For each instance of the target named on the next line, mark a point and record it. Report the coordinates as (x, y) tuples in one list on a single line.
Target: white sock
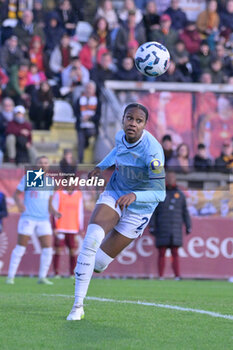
[(86, 261), (45, 261), (102, 260), (16, 257)]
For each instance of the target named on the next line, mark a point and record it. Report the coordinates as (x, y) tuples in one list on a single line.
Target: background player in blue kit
[(124, 209), (34, 219)]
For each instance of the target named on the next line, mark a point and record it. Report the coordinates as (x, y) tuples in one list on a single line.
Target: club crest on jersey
[(156, 166)]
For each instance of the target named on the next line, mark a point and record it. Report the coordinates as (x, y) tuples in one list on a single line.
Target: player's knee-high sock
[(45, 261), (175, 261), (86, 261), (56, 259), (16, 257), (73, 260), (102, 260), (161, 260)]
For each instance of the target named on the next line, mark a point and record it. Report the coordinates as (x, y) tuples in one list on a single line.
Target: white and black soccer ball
[(152, 59)]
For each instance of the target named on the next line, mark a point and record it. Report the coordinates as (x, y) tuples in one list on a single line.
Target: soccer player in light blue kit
[(34, 219), (124, 209)]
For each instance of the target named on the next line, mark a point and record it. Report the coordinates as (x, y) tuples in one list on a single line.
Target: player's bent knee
[(102, 260), (94, 236)]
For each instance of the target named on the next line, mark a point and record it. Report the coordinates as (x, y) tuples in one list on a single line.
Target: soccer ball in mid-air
[(152, 59)]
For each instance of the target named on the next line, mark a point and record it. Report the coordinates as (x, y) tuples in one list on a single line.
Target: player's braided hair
[(137, 105)]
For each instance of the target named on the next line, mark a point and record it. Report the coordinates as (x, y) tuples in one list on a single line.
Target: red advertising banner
[(207, 253)]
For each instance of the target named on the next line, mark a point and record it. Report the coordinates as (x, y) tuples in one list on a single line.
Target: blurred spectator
[(181, 58), (141, 4), (178, 17), (87, 112), (165, 34), (39, 13), (227, 63), (201, 161), (226, 16), (89, 10), (17, 82), (3, 10), (61, 56), (102, 31), (206, 78), (224, 163), (167, 224), (129, 31), (151, 18), (208, 20), (201, 61), (6, 115), (216, 71), (68, 17), (74, 77), (90, 53), (3, 210), (7, 109), (103, 71), (67, 163), (132, 48), (11, 53), (129, 6), (107, 11), (173, 74), (26, 29), (3, 81), (70, 204), (41, 109), (78, 8), (36, 54), (181, 163), (128, 71), (34, 76), (17, 8), (162, 5), (19, 139), (191, 37), (167, 148), (53, 31)]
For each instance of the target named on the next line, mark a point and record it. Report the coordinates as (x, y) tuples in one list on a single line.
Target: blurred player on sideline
[(34, 219), (69, 203), (3, 210), (124, 209)]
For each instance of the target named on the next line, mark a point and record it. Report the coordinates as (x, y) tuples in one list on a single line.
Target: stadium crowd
[(42, 57)]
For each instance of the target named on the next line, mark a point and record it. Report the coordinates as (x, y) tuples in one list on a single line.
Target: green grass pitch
[(34, 316)]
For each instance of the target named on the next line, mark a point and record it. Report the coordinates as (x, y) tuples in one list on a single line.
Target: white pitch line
[(163, 306)]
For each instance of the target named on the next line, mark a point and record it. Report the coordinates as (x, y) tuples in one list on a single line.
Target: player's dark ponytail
[(137, 105)]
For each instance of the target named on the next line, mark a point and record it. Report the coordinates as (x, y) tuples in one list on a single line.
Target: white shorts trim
[(131, 225), (28, 227)]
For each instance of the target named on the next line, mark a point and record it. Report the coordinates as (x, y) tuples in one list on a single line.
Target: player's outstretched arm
[(125, 200), (18, 201)]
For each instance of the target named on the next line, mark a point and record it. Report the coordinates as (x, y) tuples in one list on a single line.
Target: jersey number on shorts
[(145, 220)]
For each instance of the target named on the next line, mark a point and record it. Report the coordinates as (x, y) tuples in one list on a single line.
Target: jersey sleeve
[(109, 160), (156, 190), (21, 185)]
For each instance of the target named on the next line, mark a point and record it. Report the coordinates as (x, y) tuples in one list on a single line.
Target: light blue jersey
[(36, 202), (139, 168)]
